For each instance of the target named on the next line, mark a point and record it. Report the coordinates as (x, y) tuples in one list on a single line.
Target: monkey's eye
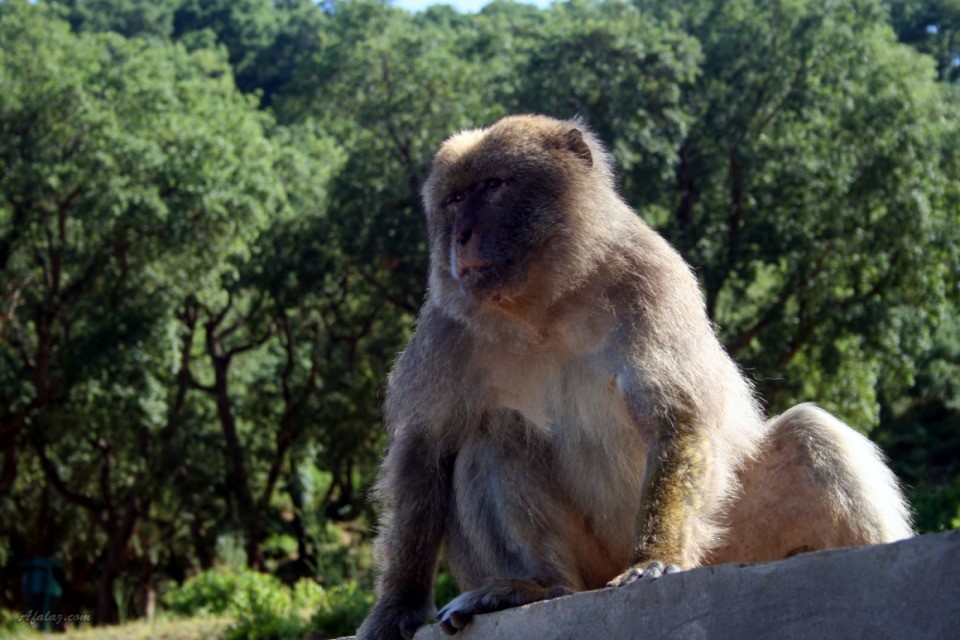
[(454, 198), (494, 183)]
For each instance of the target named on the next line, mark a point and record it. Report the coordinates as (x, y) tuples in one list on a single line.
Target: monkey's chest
[(597, 456), (578, 399)]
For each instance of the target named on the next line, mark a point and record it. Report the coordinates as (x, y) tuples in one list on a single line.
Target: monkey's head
[(517, 214)]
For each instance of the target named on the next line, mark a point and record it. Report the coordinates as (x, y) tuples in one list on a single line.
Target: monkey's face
[(491, 225), (499, 209)]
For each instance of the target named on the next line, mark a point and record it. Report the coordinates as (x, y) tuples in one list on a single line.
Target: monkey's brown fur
[(564, 416)]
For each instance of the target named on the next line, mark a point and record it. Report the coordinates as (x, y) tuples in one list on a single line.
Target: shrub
[(265, 609), (228, 592), (444, 589), (11, 626), (342, 610)]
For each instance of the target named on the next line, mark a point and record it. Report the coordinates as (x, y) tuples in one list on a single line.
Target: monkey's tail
[(863, 500)]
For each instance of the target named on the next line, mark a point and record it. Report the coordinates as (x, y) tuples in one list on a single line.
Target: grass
[(160, 629)]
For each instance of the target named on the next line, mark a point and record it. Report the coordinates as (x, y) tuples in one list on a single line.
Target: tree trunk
[(118, 536), (237, 476)]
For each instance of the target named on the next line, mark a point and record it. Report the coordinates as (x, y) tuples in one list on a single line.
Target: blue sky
[(461, 5)]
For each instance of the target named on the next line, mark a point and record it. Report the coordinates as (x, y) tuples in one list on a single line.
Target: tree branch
[(382, 290), (69, 494)]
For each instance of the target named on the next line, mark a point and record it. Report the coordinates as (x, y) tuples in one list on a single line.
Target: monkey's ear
[(575, 143)]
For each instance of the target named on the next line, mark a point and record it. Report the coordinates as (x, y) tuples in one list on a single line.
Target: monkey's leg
[(513, 538), (415, 483), (815, 484)]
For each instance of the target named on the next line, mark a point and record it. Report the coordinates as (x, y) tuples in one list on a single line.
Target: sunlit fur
[(816, 484), (567, 412)]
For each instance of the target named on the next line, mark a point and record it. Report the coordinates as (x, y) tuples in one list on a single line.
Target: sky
[(467, 6)]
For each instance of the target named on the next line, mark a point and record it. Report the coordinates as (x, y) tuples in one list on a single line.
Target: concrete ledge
[(908, 589)]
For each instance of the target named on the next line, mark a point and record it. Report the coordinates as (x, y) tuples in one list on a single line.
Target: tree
[(246, 28), (252, 338), (135, 177), (919, 430), (622, 71), (366, 87), (129, 18), (933, 28), (812, 195)]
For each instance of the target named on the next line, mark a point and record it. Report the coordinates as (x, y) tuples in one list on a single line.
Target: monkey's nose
[(464, 237)]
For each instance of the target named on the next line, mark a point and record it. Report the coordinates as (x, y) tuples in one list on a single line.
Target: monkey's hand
[(649, 571), (496, 596), (393, 621)]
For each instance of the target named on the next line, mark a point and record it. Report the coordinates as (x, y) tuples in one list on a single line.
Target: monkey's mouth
[(479, 280)]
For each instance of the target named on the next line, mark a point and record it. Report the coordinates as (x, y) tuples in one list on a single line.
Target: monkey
[(564, 417)]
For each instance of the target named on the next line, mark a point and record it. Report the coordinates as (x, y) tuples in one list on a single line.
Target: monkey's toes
[(650, 571), (393, 622), (457, 614), (496, 596)]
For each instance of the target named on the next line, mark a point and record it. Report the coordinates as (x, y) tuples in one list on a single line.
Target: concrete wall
[(907, 590)]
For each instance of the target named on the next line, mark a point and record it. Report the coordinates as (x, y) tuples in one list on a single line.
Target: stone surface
[(908, 589)]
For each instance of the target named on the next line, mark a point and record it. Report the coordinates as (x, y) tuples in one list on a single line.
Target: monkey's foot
[(498, 595), (394, 622), (650, 571)]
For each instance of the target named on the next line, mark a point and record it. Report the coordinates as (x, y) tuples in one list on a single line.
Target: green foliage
[(784, 202), (137, 180), (924, 445), (933, 27), (921, 435), (264, 608), (130, 18), (225, 592), (261, 605), (245, 28), (279, 546), (342, 610), (625, 73), (445, 589), (11, 626)]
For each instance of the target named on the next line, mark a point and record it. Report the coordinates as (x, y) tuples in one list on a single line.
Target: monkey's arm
[(415, 485), (426, 402), (668, 531)]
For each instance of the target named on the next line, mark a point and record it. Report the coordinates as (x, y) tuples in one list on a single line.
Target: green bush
[(11, 625), (208, 593), (341, 610), (261, 605), (266, 626), (229, 592), (265, 609), (307, 594), (444, 589)]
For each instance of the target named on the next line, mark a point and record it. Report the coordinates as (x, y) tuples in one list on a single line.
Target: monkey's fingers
[(651, 571)]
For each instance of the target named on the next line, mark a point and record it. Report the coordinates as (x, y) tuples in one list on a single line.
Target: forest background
[(211, 245)]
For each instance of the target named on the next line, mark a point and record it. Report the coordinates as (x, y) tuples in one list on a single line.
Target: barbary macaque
[(564, 417)]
